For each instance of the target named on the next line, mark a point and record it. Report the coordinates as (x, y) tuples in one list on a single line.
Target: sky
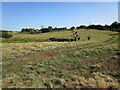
[(18, 15), (60, 0), (119, 12), (0, 15)]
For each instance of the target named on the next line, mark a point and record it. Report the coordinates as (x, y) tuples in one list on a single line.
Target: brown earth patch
[(40, 55), (111, 65), (35, 56)]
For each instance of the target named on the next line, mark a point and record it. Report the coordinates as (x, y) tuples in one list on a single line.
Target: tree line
[(115, 26), (42, 30)]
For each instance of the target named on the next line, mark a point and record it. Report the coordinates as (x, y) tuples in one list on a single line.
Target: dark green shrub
[(5, 34), (28, 30), (72, 28)]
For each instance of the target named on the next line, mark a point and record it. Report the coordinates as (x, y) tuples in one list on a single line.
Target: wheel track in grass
[(15, 57), (35, 56), (58, 48)]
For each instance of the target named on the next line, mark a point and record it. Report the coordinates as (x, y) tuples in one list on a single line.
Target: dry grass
[(98, 81), (73, 63)]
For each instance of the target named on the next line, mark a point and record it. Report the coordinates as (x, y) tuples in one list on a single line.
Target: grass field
[(42, 37), (29, 62)]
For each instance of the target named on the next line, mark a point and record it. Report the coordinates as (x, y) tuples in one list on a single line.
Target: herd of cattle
[(68, 40), (62, 39)]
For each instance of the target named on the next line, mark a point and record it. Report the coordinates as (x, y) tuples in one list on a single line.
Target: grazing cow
[(53, 39), (67, 40), (62, 40), (72, 40), (76, 35), (78, 38), (75, 32), (75, 39), (88, 38)]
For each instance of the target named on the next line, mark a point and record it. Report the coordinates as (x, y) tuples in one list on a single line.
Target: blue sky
[(18, 15)]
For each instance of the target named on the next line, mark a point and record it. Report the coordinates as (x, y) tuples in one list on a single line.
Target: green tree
[(115, 27), (72, 28), (28, 30), (99, 27), (5, 34), (44, 30), (23, 30), (81, 27), (106, 27), (31, 30), (50, 28)]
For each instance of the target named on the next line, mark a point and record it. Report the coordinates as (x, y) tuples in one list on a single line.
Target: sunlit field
[(96, 35), (33, 61)]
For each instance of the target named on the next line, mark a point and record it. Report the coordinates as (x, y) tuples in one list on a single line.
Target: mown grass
[(81, 64)]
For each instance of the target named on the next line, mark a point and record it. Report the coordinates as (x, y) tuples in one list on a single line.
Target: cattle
[(88, 38), (59, 39), (63, 40), (67, 40), (78, 38), (53, 39), (75, 32), (76, 35), (73, 40)]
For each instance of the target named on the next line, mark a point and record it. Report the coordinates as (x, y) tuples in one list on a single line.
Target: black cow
[(67, 40), (78, 38), (76, 35), (72, 40), (75, 32), (62, 40), (53, 39), (88, 38), (75, 39)]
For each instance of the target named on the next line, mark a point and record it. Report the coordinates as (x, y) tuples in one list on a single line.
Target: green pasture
[(40, 63), (96, 35)]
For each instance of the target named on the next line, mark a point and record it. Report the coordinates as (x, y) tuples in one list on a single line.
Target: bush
[(115, 26), (81, 27), (28, 30), (44, 30), (5, 34), (72, 28)]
